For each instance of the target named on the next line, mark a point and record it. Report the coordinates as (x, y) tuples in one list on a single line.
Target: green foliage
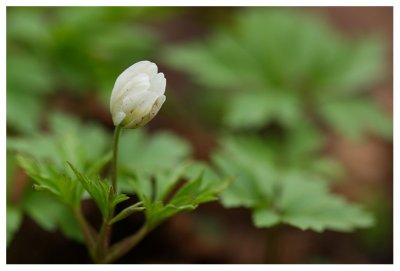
[(355, 117), (285, 77), (75, 49), (47, 178), (43, 157), (146, 154), (51, 214), (14, 219), (127, 212), (159, 190), (101, 192), (294, 194), (28, 82), (162, 195), (81, 144), (13, 211), (281, 66), (67, 162), (149, 153)]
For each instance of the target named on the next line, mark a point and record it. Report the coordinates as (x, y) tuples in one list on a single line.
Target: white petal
[(146, 67), (118, 117), (137, 105), (158, 84), (150, 115), (138, 100), (136, 84)]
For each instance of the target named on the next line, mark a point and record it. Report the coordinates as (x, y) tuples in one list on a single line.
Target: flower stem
[(123, 246), (114, 173), (105, 230)]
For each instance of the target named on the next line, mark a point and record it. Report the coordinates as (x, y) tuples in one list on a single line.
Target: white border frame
[(396, 207)]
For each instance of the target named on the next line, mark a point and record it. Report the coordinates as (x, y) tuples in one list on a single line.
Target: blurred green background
[(295, 102)]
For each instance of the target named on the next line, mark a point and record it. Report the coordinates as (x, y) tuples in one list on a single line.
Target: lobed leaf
[(296, 196), (283, 76)]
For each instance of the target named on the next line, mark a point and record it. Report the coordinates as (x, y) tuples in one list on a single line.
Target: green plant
[(62, 187), (70, 49), (282, 188), (69, 164), (281, 66), (286, 79)]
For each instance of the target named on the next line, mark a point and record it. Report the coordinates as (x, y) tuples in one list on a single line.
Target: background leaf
[(284, 76), (283, 194)]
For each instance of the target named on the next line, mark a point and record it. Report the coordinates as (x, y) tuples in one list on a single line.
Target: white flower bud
[(138, 95)]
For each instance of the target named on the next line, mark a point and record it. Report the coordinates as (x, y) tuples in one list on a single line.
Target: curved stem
[(114, 169), (88, 232), (123, 246)]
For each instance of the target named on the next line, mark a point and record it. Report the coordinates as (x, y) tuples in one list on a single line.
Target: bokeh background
[(314, 83)]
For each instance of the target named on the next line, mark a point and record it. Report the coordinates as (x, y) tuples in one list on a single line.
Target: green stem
[(114, 172), (125, 245), (88, 232), (102, 242), (105, 230)]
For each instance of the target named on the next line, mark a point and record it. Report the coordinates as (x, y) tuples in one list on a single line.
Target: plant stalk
[(105, 230), (125, 245), (88, 232), (114, 170)]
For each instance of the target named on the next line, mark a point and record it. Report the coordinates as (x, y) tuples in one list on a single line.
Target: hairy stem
[(89, 233), (123, 246), (102, 242)]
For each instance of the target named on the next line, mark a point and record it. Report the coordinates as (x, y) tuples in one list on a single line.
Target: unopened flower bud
[(138, 95)]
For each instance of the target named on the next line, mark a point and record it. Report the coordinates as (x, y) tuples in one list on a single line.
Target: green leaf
[(298, 196), (283, 76), (303, 140), (166, 180), (355, 117), (101, 192), (188, 192), (219, 74), (98, 165), (256, 109), (159, 203), (27, 74), (251, 162), (127, 212), (69, 226), (118, 199), (197, 191), (143, 153), (14, 219), (97, 189), (51, 215), (43, 210), (23, 111), (359, 65), (11, 165), (49, 179), (68, 140), (309, 205), (28, 80), (263, 218)]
